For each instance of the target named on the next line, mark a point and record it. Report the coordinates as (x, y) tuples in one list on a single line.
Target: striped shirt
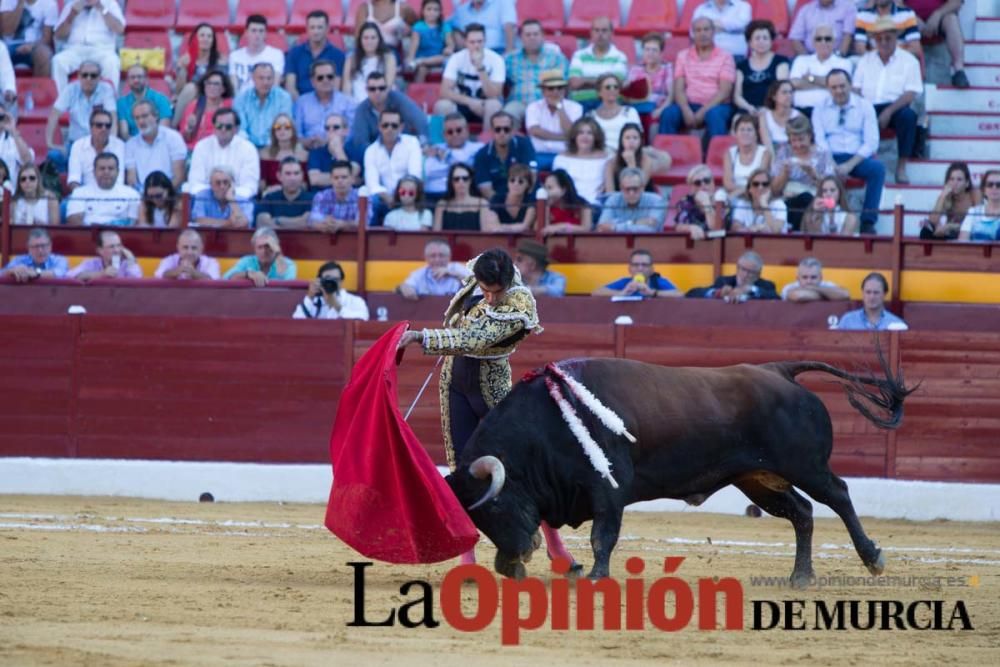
[(526, 75), (905, 20), (702, 76), (588, 65)]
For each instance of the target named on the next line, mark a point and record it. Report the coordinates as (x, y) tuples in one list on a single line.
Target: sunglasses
[(761, 184), (214, 82), (611, 86), (281, 126), (553, 87), (225, 126), (631, 188), (503, 129), (333, 127), (325, 77), (377, 89), (407, 193), (453, 131), (39, 246), (3, 117), (992, 184), (460, 179), (823, 38), (101, 126), (702, 181), (389, 126), (842, 117), (28, 177), (89, 75), (748, 270)]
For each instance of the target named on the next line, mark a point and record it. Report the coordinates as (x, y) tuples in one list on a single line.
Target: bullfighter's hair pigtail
[(593, 451)]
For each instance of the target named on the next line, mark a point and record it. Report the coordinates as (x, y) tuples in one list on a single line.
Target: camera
[(329, 285)]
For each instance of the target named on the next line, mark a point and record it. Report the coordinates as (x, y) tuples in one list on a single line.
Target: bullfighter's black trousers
[(465, 401)]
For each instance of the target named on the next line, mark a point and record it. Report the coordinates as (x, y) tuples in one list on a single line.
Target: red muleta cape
[(388, 500)]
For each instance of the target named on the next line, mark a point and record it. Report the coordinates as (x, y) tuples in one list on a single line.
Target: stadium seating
[(568, 44), (684, 22), (776, 12), (193, 12), (583, 12), (301, 9), (275, 39), (43, 94), (673, 46), (650, 16), (685, 152), (549, 14), (626, 44), (352, 12), (150, 14), (717, 148), (33, 132), (275, 13), (424, 94)]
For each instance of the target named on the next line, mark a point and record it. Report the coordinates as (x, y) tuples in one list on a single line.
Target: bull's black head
[(500, 507)]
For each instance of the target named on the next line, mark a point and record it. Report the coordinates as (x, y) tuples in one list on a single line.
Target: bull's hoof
[(802, 580), (877, 566), (511, 568), (575, 570), (596, 574)]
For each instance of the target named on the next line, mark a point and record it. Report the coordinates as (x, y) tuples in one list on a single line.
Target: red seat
[(684, 22), (150, 14), (673, 46), (568, 44), (651, 16), (774, 11), (159, 39), (160, 85), (213, 12), (717, 148), (275, 13), (583, 12), (784, 47), (424, 95), (43, 95), (352, 13), (301, 9), (677, 193), (625, 44), (33, 132), (275, 39), (685, 152), (549, 14)]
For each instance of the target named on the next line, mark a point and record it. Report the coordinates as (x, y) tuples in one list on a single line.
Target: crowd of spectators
[(261, 138)]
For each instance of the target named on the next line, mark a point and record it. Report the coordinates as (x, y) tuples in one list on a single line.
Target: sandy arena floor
[(104, 581)]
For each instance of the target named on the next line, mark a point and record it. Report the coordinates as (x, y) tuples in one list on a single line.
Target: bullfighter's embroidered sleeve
[(483, 329)]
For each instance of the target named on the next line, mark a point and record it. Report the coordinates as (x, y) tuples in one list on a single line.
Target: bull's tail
[(886, 393)]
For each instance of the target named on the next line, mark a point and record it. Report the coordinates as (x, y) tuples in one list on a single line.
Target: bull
[(697, 430)]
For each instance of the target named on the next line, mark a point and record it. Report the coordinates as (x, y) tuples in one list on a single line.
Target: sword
[(422, 388)]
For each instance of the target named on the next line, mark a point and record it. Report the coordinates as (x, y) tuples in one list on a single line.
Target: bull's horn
[(492, 467)]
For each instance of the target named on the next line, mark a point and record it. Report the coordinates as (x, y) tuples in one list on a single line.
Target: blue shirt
[(851, 129), (493, 14), (251, 263), (126, 103), (552, 283), (276, 204), (300, 59), (856, 320), (204, 205), (57, 264), (617, 212), (311, 114), (660, 284), (256, 118), (431, 38), (489, 169)]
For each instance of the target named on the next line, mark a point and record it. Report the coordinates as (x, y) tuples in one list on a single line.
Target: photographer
[(327, 300)]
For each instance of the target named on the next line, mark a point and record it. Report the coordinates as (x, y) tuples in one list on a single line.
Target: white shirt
[(460, 69), (383, 171), (787, 289), (118, 205), (884, 83), (81, 160), (805, 65), (612, 127), (88, 27), (10, 155), (7, 80), (436, 170), (167, 148), (240, 63), (587, 174), (240, 155), (42, 14), (352, 307), (733, 17), (408, 221), (538, 114), (744, 214)]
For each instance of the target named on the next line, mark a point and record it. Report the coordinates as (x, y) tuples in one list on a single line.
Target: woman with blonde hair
[(33, 204), (757, 210), (284, 143), (696, 214)]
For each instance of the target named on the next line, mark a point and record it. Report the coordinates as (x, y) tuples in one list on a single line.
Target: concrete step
[(917, 198), (911, 224), (987, 29), (983, 76), (982, 52), (964, 148), (966, 124), (932, 172), (947, 98), (987, 8)]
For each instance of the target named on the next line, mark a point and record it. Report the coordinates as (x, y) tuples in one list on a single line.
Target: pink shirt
[(205, 265), (702, 77), (660, 82)]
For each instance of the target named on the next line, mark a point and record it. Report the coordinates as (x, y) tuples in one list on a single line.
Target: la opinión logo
[(667, 604)]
